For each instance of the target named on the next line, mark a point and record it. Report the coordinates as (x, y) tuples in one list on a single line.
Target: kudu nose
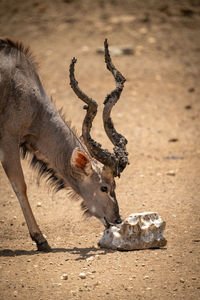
[(119, 221)]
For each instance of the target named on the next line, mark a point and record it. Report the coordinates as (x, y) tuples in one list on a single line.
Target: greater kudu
[(29, 123)]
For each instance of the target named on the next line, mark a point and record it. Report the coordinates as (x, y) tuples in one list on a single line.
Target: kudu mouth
[(109, 224)]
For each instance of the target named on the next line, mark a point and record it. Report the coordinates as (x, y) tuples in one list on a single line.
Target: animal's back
[(20, 88)]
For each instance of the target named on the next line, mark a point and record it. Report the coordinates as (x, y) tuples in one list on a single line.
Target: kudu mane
[(43, 168), (14, 48)]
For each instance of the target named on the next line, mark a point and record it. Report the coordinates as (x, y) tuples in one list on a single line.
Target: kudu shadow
[(82, 253)]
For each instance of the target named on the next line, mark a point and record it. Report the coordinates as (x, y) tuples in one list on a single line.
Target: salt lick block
[(138, 231)]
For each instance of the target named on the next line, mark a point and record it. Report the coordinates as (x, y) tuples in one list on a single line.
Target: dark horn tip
[(74, 60)]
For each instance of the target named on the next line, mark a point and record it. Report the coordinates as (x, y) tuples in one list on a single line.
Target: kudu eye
[(104, 189)]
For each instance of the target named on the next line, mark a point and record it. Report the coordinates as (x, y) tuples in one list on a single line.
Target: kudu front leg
[(12, 166)]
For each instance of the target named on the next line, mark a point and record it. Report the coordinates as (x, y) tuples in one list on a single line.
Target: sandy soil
[(158, 113)]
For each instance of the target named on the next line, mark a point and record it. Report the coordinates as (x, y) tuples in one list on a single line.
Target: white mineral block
[(138, 231)]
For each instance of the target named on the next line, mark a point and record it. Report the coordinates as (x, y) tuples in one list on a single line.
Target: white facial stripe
[(113, 200), (1, 155)]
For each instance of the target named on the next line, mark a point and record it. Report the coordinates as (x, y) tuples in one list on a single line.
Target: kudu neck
[(56, 142)]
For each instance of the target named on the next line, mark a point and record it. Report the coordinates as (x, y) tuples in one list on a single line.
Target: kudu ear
[(81, 161)]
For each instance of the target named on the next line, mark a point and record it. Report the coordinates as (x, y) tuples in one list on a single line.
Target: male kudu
[(30, 124)]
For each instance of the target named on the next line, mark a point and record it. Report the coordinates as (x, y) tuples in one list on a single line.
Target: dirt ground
[(158, 113)]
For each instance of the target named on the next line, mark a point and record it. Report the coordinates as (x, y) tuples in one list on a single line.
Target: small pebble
[(188, 107), (39, 204), (82, 275), (171, 173), (97, 283), (191, 90), (73, 293), (15, 293), (64, 276), (196, 240), (122, 19), (85, 49), (173, 140), (182, 280), (164, 287), (91, 258)]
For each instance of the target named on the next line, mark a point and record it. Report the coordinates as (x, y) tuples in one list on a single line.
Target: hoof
[(44, 247)]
